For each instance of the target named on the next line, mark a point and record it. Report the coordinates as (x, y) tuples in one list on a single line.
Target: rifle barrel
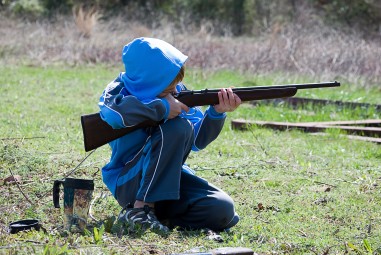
[(297, 86)]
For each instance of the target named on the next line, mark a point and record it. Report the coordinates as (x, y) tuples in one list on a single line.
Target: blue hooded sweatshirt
[(150, 66)]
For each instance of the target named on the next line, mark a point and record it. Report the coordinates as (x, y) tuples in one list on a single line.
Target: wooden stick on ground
[(371, 134)]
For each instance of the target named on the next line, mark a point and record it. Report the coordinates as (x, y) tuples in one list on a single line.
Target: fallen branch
[(18, 186), (21, 138), (307, 127)]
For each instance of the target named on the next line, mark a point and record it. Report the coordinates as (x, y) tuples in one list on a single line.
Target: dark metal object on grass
[(23, 225)]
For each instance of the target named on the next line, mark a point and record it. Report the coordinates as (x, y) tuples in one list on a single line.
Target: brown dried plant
[(85, 19)]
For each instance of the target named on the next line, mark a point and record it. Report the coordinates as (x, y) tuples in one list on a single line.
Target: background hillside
[(317, 39)]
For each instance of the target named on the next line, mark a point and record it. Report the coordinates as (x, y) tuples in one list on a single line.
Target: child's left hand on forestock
[(228, 101)]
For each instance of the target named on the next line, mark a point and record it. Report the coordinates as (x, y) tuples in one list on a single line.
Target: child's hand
[(228, 101), (175, 106)]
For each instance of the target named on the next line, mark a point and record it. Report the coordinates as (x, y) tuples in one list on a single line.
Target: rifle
[(97, 132)]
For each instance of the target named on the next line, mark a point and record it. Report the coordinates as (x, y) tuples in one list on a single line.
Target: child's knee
[(222, 213), (178, 129)]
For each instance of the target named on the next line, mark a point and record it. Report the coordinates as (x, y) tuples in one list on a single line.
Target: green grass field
[(296, 193)]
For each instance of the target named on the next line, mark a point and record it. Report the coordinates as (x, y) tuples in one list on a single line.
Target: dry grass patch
[(317, 52)]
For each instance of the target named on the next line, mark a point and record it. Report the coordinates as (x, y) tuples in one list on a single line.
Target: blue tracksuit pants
[(156, 175)]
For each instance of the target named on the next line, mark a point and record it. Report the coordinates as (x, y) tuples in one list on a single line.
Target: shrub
[(28, 8)]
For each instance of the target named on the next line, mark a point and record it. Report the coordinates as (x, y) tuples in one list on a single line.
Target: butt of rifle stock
[(97, 132), (92, 128)]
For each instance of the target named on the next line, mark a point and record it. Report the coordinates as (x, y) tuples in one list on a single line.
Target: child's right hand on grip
[(175, 106)]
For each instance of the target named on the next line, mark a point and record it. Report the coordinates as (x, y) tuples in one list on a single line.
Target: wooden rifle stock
[(97, 132)]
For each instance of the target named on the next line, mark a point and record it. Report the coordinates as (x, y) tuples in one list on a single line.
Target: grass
[(296, 193)]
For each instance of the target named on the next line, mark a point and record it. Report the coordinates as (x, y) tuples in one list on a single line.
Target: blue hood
[(150, 66)]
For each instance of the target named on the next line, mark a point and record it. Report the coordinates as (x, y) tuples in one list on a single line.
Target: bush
[(359, 13), (234, 17), (28, 8)]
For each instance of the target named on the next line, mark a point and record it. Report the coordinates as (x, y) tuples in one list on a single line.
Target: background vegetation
[(320, 40), (296, 193), (238, 17)]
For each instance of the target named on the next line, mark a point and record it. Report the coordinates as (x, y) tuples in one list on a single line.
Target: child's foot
[(141, 216)]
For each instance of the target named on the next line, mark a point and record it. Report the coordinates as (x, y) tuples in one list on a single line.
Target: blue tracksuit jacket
[(150, 66)]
